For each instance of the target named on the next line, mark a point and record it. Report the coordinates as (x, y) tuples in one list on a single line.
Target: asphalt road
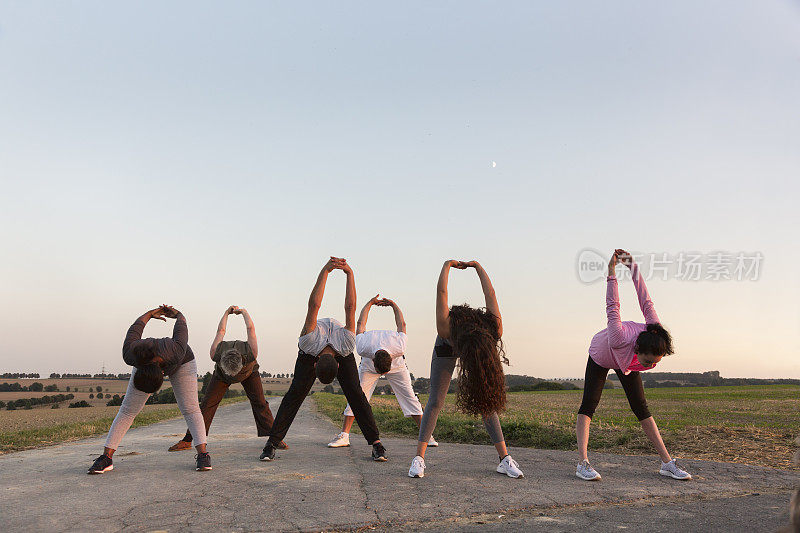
[(310, 487)]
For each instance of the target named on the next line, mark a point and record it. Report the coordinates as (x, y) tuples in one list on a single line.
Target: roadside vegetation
[(746, 424)]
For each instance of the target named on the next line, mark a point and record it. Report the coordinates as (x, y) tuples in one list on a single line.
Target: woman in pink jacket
[(628, 348)]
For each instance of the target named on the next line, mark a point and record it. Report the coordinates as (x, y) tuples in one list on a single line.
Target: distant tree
[(99, 388), (91, 396), (608, 385), (99, 395), (55, 375), (412, 376), (11, 406), (2, 404), (67, 388), (51, 388), (422, 385), (55, 406), (328, 388), (82, 403), (36, 387)]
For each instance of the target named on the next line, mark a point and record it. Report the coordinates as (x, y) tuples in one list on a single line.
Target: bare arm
[(442, 306), (645, 303), (252, 340), (361, 326), (315, 300), (223, 325), (616, 333), (398, 314), (349, 299), (488, 294)]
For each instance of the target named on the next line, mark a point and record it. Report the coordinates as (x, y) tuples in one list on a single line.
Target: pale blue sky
[(205, 155)]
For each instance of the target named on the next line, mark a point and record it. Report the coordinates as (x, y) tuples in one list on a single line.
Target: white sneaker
[(432, 442), (509, 467), (340, 441), (417, 467), (585, 471), (672, 470)]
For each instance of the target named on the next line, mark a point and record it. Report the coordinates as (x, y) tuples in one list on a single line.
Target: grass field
[(32, 428), (749, 424)]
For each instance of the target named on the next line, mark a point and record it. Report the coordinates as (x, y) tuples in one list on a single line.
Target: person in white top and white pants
[(382, 354)]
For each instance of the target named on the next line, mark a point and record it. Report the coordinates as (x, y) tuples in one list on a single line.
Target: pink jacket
[(613, 347)]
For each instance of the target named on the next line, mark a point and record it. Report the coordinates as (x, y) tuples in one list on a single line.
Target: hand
[(157, 313), (334, 263), (232, 310), (240, 310), (461, 265), (612, 264), (385, 302), (375, 300), (451, 263), (169, 311), (624, 257), (470, 264)]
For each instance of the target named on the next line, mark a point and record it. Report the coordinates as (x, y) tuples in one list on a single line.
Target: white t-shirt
[(369, 342), (329, 331)]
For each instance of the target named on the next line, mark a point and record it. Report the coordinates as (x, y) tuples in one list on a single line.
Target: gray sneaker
[(585, 471), (672, 470)]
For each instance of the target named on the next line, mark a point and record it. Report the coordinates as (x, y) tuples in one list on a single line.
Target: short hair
[(382, 361), (231, 362), (326, 368), (655, 340), (143, 351), (148, 378)]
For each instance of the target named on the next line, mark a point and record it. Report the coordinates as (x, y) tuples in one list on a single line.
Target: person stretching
[(235, 362), (471, 337), (629, 348), (152, 359), (382, 354), (326, 352)]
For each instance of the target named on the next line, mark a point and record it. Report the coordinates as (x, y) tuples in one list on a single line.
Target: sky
[(207, 154)]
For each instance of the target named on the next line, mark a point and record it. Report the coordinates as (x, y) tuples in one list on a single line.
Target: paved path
[(310, 487)]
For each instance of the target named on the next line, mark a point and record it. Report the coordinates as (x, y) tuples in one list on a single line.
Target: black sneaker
[(379, 452), (269, 452), (203, 461), (101, 465)]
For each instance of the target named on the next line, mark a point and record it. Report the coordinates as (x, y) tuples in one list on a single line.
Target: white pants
[(400, 381), (184, 384)]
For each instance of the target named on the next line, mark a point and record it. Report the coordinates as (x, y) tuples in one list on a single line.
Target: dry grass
[(749, 424)]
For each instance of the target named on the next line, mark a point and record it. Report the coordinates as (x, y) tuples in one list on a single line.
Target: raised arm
[(398, 314), (135, 333), (349, 298), (488, 294), (180, 332), (315, 300), (361, 326), (645, 303), (251, 331), (442, 306), (221, 328), (616, 334)]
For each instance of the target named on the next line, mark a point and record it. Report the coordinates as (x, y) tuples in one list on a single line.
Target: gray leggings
[(441, 374), (184, 384)]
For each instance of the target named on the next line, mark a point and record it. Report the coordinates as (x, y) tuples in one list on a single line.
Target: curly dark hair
[(481, 383), (655, 340)]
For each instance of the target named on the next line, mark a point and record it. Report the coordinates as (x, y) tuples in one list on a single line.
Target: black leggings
[(593, 389), (304, 377)]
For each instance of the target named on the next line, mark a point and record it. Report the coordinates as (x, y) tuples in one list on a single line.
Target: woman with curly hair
[(471, 337), (628, 348)]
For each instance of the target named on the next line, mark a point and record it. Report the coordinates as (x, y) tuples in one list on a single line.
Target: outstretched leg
[(348, 380), (302, 382), (594, 381), (441, 374)]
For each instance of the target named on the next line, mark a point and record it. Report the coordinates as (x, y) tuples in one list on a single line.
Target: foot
[(672, 470), (417, 467), (180, 446), (379, 452), (101, 465), (203, 461), (585, 471), (268, 454), (432, 442), (341, 440), (282, 446), (509, 467)]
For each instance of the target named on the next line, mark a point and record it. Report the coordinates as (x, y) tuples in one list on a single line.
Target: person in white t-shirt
[(382, 354)]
